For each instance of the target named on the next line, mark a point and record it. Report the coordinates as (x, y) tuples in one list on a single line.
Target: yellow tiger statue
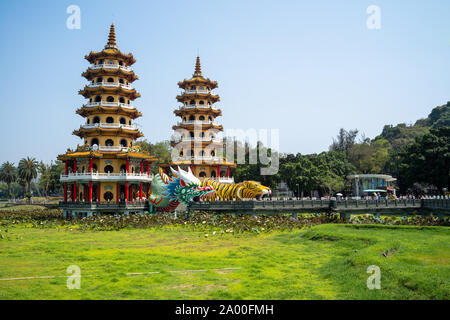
[(235, 191)]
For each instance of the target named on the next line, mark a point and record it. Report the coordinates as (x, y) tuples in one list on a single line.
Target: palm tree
[(8, 174), (28, 169)]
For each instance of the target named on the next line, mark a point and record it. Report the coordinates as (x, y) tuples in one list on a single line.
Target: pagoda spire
[(111, 38), (198, 68)]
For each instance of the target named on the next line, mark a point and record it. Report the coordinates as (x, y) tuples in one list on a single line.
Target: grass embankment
[(323, 262)]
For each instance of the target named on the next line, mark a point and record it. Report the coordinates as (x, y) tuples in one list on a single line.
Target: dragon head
[(185, 187)]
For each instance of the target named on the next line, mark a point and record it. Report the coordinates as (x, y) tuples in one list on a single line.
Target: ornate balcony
[(201, 122), (108, 104), (197, 106), (95, 176), (109, 66), (108, 126), (110, 85)]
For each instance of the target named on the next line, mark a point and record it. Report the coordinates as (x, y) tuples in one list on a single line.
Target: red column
[(128, 165), (140, 191), (66, 170), (148, 191), (90, 191), (142, 166), (192, 169), (148, 168), (75, 166), (218, 171), (228, 172), (74, 194), (91, 165), (117, 193), (65, 192), (126, 191)]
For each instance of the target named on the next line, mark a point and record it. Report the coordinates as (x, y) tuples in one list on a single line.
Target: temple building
[(195, 140), (107, 173)]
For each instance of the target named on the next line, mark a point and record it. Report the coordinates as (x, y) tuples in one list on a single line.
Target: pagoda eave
[(89, 92), (197, 80), (82, 133), (87, 111), (90, 74), (79, 154), (111, 53), (194, 126), (214, 112), (187, 96)]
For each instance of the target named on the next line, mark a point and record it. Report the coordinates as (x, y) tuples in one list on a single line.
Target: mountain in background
[(401, 135)]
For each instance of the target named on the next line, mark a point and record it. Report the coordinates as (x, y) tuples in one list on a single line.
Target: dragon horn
[(164, 177), (174, 172)]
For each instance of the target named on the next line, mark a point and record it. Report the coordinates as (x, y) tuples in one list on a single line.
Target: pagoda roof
[(90, 73), (198, 78), (111, 51), (203, 126), (106, 132), (88, 92), (187, 96), (136, 154), (86, 111), (69, 155), (181, 112)]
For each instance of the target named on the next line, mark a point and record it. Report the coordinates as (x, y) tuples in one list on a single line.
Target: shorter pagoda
[(196, 139), (108, 173)]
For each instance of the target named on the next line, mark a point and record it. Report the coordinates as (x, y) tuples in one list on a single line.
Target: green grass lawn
[(21, 207), (323, 262)]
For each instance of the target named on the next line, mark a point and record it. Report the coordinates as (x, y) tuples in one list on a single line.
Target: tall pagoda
[(108, 173), (196, 136)]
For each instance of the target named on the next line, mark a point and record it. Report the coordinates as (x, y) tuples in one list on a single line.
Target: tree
[(8, 174), (427, 160), (44, 177), (344, 140), (28, 169), (370, 156), (161, 150)]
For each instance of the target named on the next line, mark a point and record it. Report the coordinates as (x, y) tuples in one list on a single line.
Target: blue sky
[(307, 68)]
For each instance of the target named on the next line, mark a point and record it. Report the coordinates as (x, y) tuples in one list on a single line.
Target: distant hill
[(402, 134)]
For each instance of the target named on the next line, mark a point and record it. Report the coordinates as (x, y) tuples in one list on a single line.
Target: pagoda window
[(201, 118), (120, 63), (96, 120), (110, 80), (99, 79), (98, 99), (109, 169), (122, 100), (101, 61), (124, 143), (110, 62), (94, 167), (122, 120), (202, 102), (94, 142), (108, 196), (209, 118), (109, 143), (201, 88), (192, 87), (110, 120), (88, 121), (191, 118), (110, 99), (121, 81), (184, 119), (213, 174), (202, 174), (129, 122), (191, 153), (128, 101), (181, 153), (213, 153), (201, 153), (192, 102), (123, 168), (191, 134)]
